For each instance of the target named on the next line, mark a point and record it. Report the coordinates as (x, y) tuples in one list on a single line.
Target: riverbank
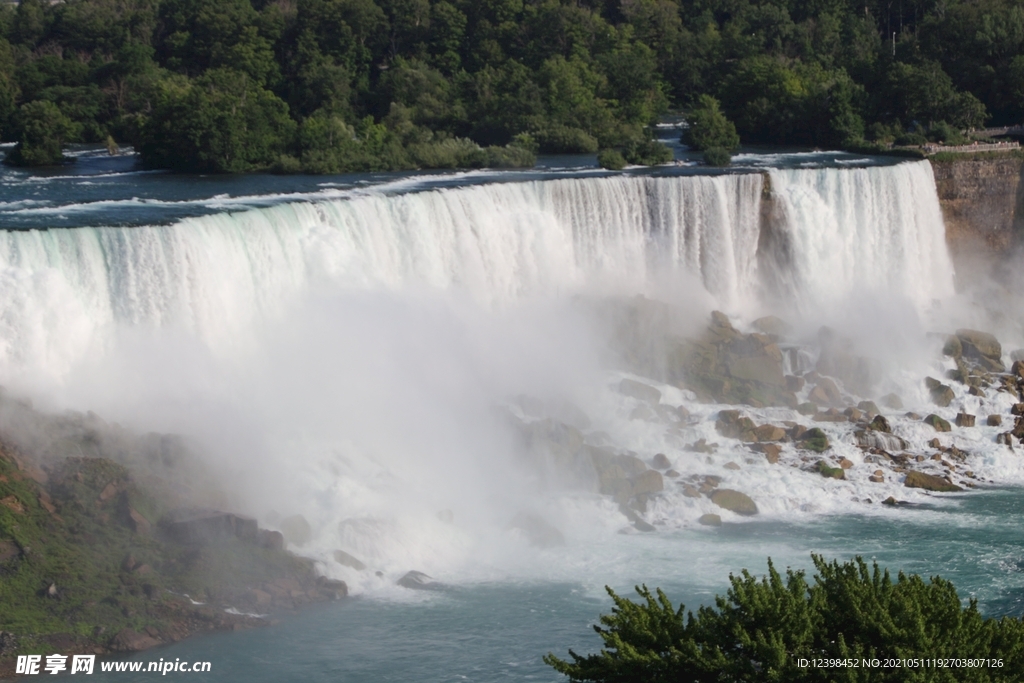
[(94, 560)]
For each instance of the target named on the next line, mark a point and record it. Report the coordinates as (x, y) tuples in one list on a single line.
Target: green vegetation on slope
[(346, 85), (84, 567), (785, 629)]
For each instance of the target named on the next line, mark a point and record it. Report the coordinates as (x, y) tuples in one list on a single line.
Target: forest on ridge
[(327, 86)]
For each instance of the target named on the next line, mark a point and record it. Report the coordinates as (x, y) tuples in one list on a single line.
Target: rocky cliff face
[(982, 199)]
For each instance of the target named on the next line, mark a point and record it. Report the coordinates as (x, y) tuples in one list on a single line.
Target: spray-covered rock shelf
[(776, 400)]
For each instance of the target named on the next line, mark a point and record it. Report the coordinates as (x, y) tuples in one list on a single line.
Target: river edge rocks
[(92, 563), (786, 412)]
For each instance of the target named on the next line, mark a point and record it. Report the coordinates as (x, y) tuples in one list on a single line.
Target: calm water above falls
[(337, 347)]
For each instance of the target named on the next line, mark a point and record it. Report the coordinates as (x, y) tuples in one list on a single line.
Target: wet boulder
[(869, 407), (928, 482), (710, 519), (814, 440), (826, 470), (347, 560), (660, 461), (980, 346), (615, 472), (938, 423), (769, 432), (880, 424), (952, 347), (647, 483), (734, 426), (941, 394), (734, 501), (640, 391), (831, 389), (418, 581), (965, 420), (772, 325), (807, 408)]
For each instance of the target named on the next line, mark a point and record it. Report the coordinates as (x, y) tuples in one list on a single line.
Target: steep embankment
[(93, 561), (982, 199)]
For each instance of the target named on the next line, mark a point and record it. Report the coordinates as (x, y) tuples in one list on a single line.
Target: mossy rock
[(938, 423), (827, 470), (880, 424), (814, 440)]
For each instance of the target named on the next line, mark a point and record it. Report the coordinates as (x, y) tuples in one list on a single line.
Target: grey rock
[(418, 581), (343, 558)]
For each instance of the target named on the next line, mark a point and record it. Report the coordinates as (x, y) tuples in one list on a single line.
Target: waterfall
[(63, 290), (870, 230)]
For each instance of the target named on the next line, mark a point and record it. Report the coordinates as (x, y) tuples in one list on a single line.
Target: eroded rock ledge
[(982, 199)]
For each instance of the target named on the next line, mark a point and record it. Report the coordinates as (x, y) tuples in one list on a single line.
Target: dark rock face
[(982, 205), (200, 526)]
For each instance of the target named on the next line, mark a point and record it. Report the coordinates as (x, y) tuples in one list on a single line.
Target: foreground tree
[(784, 629)]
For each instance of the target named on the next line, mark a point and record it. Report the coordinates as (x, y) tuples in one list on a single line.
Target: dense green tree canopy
[(575, 75), (786, 629)]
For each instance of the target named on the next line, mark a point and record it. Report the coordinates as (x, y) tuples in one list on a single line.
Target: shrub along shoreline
[(851, 622)]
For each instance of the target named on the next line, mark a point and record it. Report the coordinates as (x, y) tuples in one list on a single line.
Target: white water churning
[(63, 291)]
